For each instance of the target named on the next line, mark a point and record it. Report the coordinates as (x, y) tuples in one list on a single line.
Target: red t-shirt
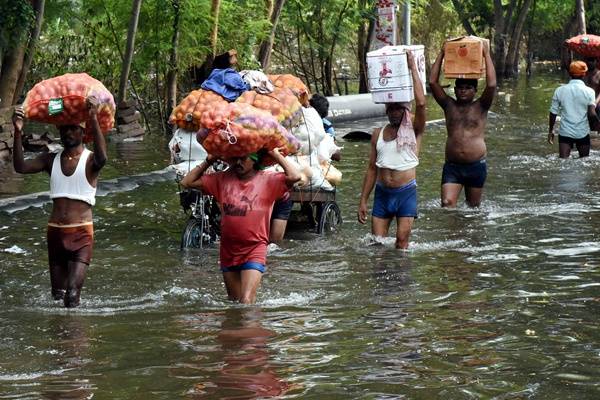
[(246, 207)]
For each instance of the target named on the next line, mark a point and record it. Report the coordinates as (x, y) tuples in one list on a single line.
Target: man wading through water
[(576, 104), (73, 178), (392, 167), (465, 122), (246, 196)]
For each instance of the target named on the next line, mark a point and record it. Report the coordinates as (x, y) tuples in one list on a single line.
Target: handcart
[(319, 207)]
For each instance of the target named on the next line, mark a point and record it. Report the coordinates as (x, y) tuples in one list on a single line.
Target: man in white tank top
[(73, 179), (392, 166)]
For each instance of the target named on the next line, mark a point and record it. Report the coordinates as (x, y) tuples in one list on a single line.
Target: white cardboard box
[(388, 74)]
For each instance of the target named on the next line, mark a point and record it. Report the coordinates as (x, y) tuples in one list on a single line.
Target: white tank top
[(75, 186), (388, 155)]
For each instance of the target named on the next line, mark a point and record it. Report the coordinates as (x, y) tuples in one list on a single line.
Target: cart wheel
[(330, 218), (194, 235)]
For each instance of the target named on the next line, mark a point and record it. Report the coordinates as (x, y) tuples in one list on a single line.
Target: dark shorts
[(245, 266), (584, 141), (469, 175), (70, 244), (282, 209), (395, 202)]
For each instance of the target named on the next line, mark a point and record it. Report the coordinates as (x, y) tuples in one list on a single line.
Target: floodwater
[(499, 302)]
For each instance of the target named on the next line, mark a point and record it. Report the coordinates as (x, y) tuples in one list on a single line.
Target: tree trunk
[(128, 56), (9, 74), (173, 68), (328, 78), (327, 84), (38, 8), (214, 34), (580, 12), (569, 29), (464, 20), (499, 38), (515, 40), (264, 53), (361, 36), (528, 69)]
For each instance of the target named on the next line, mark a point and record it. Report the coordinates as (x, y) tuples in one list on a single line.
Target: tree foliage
[(318, 40)]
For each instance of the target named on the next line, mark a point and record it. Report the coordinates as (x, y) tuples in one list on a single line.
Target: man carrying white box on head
[(393, 159)]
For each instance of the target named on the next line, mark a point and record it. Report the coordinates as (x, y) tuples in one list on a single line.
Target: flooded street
[(499, 302)]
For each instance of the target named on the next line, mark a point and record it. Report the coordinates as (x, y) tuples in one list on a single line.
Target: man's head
[(320, 103), (577, 69), (245, 166), (395, 112), (465, 90), (71, 135)]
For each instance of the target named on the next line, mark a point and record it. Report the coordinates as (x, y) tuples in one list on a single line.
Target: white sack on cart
[(327, 148), (184, 147), (310, 132), (318, 181), (293, 160)]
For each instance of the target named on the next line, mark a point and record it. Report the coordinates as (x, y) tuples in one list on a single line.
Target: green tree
[(16, 20)]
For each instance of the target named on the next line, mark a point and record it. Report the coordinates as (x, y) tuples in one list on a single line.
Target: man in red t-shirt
[(246, 196)]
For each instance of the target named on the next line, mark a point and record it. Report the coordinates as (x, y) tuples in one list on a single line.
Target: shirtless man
[(392, 167), (592, 79), (73, 178), (465, 123)]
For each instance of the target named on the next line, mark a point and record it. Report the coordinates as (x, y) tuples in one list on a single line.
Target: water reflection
[(72, 345), (246, 371)]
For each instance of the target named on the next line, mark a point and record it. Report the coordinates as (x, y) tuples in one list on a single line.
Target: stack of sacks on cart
[(235, 114)]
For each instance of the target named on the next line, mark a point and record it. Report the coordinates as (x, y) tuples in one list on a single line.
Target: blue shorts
[(395, 202), (282, 209), (247, 265), (469, 175)]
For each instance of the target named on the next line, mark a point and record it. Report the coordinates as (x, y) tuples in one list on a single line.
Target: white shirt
[(75, 186)]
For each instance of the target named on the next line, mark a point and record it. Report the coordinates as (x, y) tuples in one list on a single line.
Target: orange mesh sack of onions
[(236, 130), (281, 103), (188, 113), (294, 83), (61, 101)]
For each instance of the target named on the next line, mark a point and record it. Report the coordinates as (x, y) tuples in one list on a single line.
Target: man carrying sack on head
[(73, 179)]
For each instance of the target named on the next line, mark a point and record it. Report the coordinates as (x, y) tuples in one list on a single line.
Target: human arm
[(551, 122), (99, 159), (487, 97), (38, 164), (291, 173), (438, 92), (369, 179), (193, 178), (420, 103), (593, 119)]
